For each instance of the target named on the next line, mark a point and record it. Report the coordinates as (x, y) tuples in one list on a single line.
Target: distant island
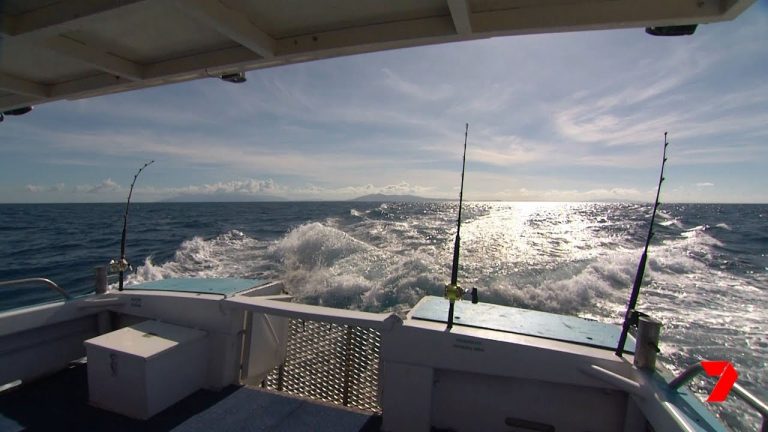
[(393, 198)]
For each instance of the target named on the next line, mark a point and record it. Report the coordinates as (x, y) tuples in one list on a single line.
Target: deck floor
[(60, 402)]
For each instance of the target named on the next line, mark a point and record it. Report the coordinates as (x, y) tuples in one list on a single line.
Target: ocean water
[(707, 276)]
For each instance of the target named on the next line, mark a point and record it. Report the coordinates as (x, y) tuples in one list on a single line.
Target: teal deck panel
[(522, 321), (223, 286)]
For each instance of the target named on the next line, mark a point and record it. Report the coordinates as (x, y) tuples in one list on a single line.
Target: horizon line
[(354, 200)]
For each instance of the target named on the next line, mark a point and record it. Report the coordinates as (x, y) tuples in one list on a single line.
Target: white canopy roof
[(69, 49)]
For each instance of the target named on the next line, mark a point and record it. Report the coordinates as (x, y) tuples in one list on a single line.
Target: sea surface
[(707, 276)]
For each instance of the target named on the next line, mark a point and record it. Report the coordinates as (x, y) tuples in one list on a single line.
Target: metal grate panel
[(331, 362)]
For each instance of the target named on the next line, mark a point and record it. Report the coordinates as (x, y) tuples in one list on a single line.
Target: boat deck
[(60, 402)]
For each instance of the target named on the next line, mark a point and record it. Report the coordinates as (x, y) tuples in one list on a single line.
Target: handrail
[(52, 285), (686, 376), (270, 306), (742, 393)]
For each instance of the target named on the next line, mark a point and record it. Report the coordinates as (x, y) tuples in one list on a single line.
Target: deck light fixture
[(681, 30), (15, 112), (237, 77)]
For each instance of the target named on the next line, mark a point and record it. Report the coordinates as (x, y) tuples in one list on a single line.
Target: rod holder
[(647, 347), (101, 279)]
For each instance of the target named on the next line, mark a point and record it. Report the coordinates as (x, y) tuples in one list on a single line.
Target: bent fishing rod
[(122, 265), (453, 291), (630, 317)]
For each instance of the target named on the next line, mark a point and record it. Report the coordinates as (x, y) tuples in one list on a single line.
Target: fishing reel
[(119, 265), (455, 292)]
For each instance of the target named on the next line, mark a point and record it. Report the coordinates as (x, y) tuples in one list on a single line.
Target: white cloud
[(705, 184), (504, 150), (260, 157), (348, 192), (59, 187), (578, 195), (268, 187), (257, 187), (430, 92), (105, 186), (598, 122), (242, 187)]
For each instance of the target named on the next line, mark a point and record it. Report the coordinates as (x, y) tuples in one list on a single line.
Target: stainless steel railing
[(742, 393), (49, 283)]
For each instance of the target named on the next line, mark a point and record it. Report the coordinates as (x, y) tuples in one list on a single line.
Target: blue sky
[(562, 117)]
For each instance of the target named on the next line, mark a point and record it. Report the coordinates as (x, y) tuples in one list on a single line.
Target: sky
[(557, 117)]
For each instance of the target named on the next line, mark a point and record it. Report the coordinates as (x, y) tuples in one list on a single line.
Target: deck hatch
[(526, 322), (223, 286)]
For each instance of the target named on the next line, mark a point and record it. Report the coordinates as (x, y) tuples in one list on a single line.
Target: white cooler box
[(140, 370)]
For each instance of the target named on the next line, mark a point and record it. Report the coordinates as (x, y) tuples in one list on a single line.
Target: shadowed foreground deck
[(60, 402)]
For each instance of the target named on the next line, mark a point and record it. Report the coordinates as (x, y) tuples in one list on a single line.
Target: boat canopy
[(53, 49)]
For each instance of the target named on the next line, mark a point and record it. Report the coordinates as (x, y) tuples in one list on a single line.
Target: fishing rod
[(453, 291), (631, 315), (123, 265)]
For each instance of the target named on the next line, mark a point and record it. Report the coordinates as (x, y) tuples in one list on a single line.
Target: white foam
[(370, 264), (315, 245), (672, 223), (230, 254), (323, 265)]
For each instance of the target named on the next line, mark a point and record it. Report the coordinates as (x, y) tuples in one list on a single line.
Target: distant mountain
[(223, 197), (393, 198)]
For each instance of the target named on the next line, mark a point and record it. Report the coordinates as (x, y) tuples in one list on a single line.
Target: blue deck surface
[(223, 286), (522, 321)]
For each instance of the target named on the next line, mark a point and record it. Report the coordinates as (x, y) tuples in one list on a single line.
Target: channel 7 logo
[(727, 374)]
